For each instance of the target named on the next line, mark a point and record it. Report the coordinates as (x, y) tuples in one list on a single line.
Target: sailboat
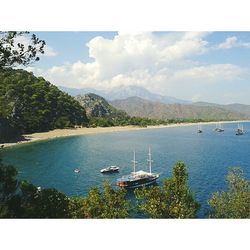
[(199, 128), (139, 178), (239, 130), (219, 128), (216, 127)]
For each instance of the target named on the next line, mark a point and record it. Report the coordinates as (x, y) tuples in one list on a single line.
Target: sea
[(208, 157)]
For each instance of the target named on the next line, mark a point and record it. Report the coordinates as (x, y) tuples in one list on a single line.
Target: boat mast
[(149, 160), (134, 162)]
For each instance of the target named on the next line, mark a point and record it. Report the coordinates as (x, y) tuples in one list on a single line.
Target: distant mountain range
[(136, 106), (124, 92), (138, 101)]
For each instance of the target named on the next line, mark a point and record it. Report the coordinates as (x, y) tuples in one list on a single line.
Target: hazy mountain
[(234, 107), (124, 92), (136, 106), (82, 91)]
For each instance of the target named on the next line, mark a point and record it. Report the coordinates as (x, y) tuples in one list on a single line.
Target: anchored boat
[(110, 169), (219, 127), (199, 129), (139, 178), (239, 130)]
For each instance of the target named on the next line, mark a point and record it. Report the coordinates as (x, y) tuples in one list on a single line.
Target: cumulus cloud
[(229, 43), (161, 63), (233, 42)]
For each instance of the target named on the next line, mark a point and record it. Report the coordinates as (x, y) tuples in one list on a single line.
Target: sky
[(197, 66)]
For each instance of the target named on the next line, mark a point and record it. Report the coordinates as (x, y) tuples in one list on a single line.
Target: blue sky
[(198, 66)]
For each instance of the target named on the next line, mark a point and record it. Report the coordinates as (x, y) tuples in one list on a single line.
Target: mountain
[(31, 104), (234, 107), (136, 106), (123, 92), (82, 91), (97, 106)]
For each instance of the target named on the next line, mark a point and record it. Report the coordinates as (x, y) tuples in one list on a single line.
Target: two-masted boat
[(139, 178), (219, 127), (239, 130)]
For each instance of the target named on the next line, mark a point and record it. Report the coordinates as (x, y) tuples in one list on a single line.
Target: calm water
[(208, 157)]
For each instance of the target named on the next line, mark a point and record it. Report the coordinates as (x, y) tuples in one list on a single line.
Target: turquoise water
[(208, 157)]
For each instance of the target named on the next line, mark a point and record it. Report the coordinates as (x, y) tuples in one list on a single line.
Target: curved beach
[(57, 133)]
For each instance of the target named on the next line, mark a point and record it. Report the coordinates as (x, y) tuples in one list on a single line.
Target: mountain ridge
[(123, 92), (136, 106)]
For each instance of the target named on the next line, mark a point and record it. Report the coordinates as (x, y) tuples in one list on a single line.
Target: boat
[(140, 178), (219, 127), (77, 170), (239, 130), (199, 129), (110, 169)]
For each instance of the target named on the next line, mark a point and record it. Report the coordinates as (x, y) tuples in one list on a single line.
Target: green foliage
[(109, 204), (173, 200), (234, 203), (8, 188), (13, 52), (30, 104), (8, 182)]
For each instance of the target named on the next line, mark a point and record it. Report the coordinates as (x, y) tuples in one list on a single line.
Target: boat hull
[(137, 183), (109, 171)]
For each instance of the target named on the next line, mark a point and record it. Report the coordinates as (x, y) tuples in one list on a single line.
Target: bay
[(208, 157)]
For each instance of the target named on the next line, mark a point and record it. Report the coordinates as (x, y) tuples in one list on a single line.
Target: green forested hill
[(32, 104)]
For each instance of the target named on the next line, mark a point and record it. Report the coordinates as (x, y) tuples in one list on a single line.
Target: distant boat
[(140, 178), (239, 130), (110, 169), (199, 129), (219, 127), (77, 170)]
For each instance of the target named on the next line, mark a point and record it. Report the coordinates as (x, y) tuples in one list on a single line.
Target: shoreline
[(60, 133)]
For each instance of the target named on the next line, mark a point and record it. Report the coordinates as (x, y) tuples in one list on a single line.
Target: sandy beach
[(58, 133)]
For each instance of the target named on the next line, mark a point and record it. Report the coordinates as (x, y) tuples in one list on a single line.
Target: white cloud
[(161, 63), (229, 43), (210, 73), (233, 42)]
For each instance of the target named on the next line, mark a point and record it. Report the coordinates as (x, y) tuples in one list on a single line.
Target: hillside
[(234, 107), (136, 106), (31, 104), (97, 106)]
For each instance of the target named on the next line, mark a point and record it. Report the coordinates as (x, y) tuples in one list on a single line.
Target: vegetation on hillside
[(235, 202), (31, 104)]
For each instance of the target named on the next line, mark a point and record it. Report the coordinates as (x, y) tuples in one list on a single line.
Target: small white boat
[(110, 169), (77, 170)]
